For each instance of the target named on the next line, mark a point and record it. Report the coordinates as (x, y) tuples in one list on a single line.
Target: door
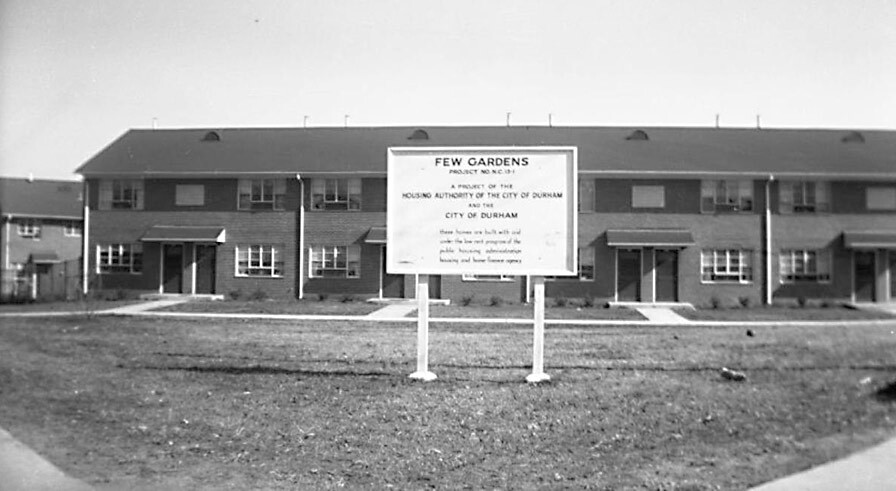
[(864, 276), (393, 284), (892, 254), (45, 286), (628, 275), (205, 268), (435, 286), (666, 276), (172, 268)]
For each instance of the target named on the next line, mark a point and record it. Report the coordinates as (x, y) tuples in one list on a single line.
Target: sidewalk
[(873, 469), (21, 469)]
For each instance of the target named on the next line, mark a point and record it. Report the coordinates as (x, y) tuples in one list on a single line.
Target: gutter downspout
[(768, 240), (301, 236), (85, 241)]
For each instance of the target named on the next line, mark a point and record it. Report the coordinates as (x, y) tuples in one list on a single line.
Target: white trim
[(193, 270), (615, 274), (301, 237), (6, 245), (48, 217), (652, 272), (769, 283), (381, 267), (161, 267), (860, 176), (85, 242)]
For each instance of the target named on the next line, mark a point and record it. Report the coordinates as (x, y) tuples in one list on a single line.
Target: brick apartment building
[(665, 214), (40, 237)]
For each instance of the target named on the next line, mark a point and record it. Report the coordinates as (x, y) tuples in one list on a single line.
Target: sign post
[(481, 211), (423, 372)]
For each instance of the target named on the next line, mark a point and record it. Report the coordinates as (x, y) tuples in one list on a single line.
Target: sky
[(76, 74)]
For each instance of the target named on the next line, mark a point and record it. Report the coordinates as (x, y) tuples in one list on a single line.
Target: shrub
[(801, 301), (322, 297), (347, 298), (496, 301), (258, 294), (466, 300), (588, 302), (235, 294), (560, 302), (745, 301), (715, 302)]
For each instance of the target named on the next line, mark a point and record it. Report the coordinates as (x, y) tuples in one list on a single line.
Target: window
[(724, 196), (259, 260), (261, 194), (486, 277), (119, 258), (726, 266), (121, 194), (799, 266), (804, 197), (648, 197), (72, 229), (880, 198), (335, 262), (189, 195), (586, 195), (29, 228), (585, 266), (336, 194)]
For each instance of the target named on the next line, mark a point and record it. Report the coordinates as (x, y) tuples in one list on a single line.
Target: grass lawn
[(522, 311), (65, 306), (188, 404), (778, 313), (287, 307)]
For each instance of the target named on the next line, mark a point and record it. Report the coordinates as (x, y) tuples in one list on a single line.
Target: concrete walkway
[(395, 310), (144, 306), (873, 469), (21, 469), (662, 315)]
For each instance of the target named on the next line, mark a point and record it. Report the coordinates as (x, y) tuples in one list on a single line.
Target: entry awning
[(649, 237), (376, 235), (44, 258), (182, 233), (869, 240)]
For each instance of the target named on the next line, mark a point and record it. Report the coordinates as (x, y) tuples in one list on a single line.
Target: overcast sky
[(74, 75)]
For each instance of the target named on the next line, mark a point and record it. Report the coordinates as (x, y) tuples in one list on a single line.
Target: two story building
[(692, 215), (40, 235)]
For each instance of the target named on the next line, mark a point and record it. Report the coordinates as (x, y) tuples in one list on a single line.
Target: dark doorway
[(864, 276), (205, 268), (666, 276), (172, 268), (435, 286), (393, 284), (628, 276), (45, 286)]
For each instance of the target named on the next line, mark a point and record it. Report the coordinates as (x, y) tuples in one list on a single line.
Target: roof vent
[(638, 135), (853, 137), (419, 135), (211, 136)]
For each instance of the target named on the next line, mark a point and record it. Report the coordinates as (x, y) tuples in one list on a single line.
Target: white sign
[(482, 210)]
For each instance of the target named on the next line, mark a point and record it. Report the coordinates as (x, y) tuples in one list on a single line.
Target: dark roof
[(678, 151), (869, 239), (40, 198)]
